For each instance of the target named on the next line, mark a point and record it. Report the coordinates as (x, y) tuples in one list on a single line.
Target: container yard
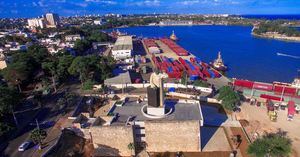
[(175, 60)]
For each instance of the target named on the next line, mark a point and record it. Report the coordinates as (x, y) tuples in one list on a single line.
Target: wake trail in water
[(287, 55)]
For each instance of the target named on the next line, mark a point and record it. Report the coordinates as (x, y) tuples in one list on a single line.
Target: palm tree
[(130, 146), (38, 135)]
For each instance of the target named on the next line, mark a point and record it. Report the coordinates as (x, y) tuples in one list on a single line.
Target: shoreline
[(277, 37)]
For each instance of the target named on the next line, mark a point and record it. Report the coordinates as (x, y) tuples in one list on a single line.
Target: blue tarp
[(170, 69), (194, 77), (172, 89)]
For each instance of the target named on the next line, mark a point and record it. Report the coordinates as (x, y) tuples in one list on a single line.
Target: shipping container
[(271, 97), (194, 77), (205, 72), (243, 83), (217, 74), (263, 86), (211, 73)]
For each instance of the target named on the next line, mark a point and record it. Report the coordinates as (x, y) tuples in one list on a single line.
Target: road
[(46, 113)]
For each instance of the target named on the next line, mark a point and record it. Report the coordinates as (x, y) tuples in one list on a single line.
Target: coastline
[(277, 36)]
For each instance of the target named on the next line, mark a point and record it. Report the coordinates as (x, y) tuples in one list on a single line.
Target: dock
[(168, 52)]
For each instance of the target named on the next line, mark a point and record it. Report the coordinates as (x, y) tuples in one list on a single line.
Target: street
[(46, 113)]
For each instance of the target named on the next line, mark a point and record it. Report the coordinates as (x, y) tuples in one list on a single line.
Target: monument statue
[(155, 108), (156, 81)]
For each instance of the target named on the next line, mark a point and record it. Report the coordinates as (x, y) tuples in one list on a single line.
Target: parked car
[(24, 146)]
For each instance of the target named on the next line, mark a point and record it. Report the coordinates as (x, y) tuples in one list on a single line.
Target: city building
[(73, 37), (36, 23), (175, 23), (52, 20), (3, 61), (100, 22), (123, 48)]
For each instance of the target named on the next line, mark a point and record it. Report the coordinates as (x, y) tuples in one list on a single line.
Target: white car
[(24, 146)]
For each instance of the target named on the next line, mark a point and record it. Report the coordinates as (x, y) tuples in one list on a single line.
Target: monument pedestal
[(156, 111)]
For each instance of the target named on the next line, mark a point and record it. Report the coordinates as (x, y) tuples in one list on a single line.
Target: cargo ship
[(117, 33), (218, 64)]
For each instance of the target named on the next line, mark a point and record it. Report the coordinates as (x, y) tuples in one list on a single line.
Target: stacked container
[(174, 47)]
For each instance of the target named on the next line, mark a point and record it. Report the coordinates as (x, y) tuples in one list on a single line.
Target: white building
[(3, 62), (122, 48), (99, 22), (52, 20), (73, 37), (36, 23)]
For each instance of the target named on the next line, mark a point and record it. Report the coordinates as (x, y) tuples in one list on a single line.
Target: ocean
[(273, 17), (246, 56)]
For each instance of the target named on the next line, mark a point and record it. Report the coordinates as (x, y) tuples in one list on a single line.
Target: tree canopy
[(274, 145), (38, 135), (92, 67), (276, 27), (229, 97), (9, 98)]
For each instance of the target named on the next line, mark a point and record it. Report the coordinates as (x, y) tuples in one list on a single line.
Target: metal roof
[(123, 43)]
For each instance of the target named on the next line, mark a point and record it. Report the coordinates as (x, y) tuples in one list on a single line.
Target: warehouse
[(122, 48)]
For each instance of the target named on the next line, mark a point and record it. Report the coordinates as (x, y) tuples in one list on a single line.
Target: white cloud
[(102, 1), (190, 2), (148, 3)]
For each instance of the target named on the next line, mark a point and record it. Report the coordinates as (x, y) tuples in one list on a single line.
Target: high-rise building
[(36, 23), (52, 19)]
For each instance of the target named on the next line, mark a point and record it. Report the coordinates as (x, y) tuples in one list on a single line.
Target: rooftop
[(123, 43), (181, 111)]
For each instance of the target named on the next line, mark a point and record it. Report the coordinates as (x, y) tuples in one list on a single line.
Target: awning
[(291, 108)]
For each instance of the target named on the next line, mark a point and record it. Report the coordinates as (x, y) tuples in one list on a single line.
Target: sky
[(34, 8)]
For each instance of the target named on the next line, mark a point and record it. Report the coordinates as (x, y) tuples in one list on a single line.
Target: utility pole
[(37, 124), (122, 84), (15, 118)]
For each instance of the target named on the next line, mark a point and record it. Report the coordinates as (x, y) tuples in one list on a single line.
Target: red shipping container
[(271, 97), (263, 86), (206, 73), (243, 83), (291, 108)]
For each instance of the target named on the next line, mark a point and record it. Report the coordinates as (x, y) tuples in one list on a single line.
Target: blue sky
[(33, 8)]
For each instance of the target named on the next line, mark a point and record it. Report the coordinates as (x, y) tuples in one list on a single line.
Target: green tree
[(4, 128), (200, 83), (82, 46), (88, 85), (273, 145), (183, 79), (80, 66), (8, 99), (97, 36), (130, 146), (51, 68), (229, 97), (16, 74), (38, 52), (38, 135), (64, 62)]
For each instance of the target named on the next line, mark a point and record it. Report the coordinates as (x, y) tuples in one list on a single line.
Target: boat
[(218, 63), (173, 36), (117, 33)]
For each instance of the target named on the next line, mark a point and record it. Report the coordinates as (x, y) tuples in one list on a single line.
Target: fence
[(166, 85)]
